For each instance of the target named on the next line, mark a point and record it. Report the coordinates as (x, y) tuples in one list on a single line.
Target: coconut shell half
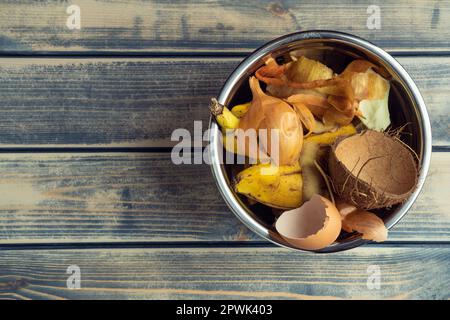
[(372, 170)]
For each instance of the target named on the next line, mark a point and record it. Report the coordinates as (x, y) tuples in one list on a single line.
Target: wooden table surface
[(86, 177)]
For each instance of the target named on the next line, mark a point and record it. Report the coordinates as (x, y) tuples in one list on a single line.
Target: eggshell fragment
[(314, 225)]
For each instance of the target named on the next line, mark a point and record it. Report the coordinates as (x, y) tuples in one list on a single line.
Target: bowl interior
[(336, 54)]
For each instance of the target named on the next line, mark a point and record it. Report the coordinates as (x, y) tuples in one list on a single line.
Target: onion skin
[(267, 112), (357, 82)]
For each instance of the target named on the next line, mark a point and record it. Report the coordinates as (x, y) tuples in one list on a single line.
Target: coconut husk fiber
[(372, 170)]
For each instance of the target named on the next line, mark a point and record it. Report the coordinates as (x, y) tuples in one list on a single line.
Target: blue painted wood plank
[(222, 26), (144, 197), (408, 272), (129, 102)]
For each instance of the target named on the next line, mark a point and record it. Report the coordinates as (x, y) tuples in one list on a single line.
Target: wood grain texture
[(126, 197), (220, 273), (110, 198), (115, 26), (106, 102), (139, 102)]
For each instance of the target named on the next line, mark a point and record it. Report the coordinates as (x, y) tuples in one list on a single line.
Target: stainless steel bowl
[(336, 50)]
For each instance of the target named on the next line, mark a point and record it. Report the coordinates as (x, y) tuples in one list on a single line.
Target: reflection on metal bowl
[(335, 50)]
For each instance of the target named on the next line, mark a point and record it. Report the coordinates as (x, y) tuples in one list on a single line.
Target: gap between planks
[(106, 149), (425, 52), (26, 245)]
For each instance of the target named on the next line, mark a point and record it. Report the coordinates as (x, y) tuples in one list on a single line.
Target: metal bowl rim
[(215, 154)]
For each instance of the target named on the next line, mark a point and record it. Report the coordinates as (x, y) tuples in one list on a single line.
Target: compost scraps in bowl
[(335, 157)]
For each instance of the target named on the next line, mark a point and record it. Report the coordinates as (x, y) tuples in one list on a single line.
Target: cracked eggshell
[(313, 226)]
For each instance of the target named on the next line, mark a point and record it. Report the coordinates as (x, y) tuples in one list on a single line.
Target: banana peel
[(240, 110), (227, 120), (224, 117), (268, 170), (275, 186), (281, 187), (313, 182), (329, 138), (231, 144), (229, 141)]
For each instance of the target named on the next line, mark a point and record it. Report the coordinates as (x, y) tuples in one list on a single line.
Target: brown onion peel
[(368, 224), (271, 113), (305, 116), (355, 83)]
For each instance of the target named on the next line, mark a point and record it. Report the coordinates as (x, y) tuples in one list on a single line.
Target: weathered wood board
[(139, 102), (129, 197), (193, 26), (226, 273), (137, 225)]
